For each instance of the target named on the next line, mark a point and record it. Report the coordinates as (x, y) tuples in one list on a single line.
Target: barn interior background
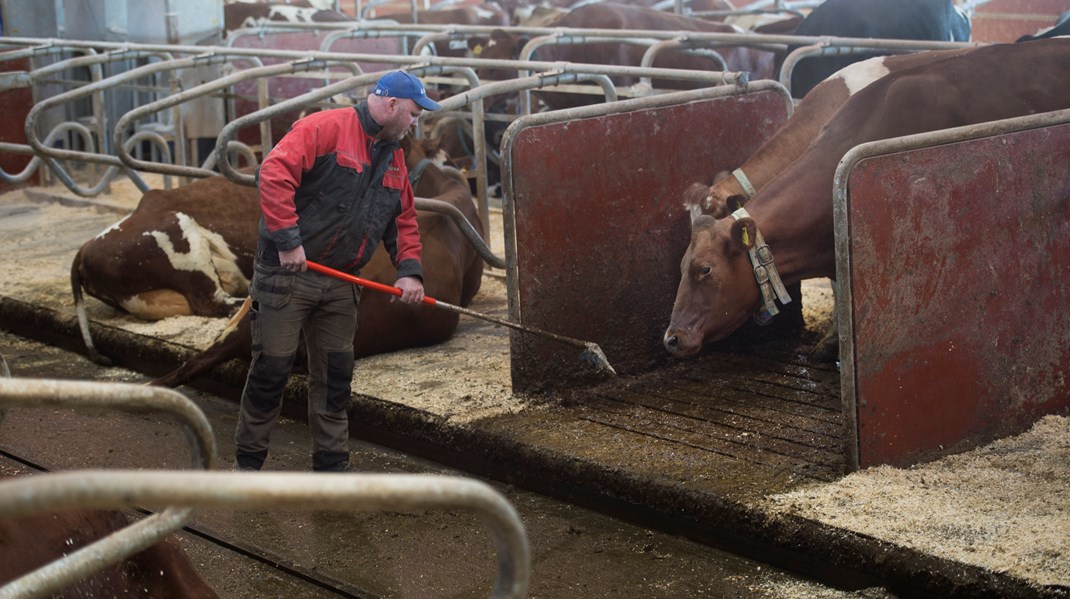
[(202, 23)]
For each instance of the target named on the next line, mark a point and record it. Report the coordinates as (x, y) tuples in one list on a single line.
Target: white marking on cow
[(860, 74), (208, 254), (115, 227), (292, 14), (483, 13)]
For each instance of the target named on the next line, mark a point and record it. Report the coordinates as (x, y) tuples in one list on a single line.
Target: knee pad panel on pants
[(339, 380), (267, 380)]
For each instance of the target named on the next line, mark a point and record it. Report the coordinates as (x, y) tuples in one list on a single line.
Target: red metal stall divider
[(953, 262), (595, 222)]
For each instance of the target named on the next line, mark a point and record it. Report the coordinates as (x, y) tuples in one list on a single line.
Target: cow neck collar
[(765, 273), (744, 182)]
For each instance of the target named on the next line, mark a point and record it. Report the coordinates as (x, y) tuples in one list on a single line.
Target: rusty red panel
[(16, 104), (959, 273), (601, 227)]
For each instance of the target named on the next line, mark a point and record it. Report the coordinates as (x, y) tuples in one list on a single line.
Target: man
[(331, 190)]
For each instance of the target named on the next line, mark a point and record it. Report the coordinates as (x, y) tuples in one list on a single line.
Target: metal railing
[(180, 492), (15, 392)]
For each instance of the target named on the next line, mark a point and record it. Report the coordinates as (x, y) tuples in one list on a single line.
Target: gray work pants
[(325, 311)]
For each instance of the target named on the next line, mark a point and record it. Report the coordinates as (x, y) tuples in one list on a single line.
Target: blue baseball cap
[(399, 84)]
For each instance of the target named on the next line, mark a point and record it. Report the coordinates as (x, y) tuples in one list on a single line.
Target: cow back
[(934, 20)]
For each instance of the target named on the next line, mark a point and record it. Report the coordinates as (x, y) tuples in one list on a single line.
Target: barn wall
[(1007, 20)]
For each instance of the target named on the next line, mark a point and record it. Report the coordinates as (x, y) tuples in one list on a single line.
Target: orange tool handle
[(327, 270)]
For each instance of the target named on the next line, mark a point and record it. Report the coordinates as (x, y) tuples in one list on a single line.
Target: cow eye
[(705, 270)]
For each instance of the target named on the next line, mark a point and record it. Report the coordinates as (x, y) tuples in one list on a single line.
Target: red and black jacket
[(331, 187)]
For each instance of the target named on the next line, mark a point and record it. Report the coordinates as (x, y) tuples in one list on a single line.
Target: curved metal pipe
[(466, 227), (120, 396), (127, 119), (285, 491)]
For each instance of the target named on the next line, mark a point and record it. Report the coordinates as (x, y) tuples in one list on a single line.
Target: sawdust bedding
[(1003, 507)]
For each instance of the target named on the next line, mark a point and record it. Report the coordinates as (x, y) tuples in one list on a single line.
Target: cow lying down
[(178, 256), (453, 272), (718, 291)]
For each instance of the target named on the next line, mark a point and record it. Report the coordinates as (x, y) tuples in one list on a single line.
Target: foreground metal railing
[(180, 492), (83, 395), (277, 491)]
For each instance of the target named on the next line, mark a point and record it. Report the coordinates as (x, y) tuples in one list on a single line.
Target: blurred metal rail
[(83, 395), (280, 491)]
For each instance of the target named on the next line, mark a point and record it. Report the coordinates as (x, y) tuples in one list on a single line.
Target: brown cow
[(161, 571), (453, 272), (504, 45), (718, 291), (796, 135)]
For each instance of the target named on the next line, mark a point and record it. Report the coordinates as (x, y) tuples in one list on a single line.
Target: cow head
[(717, 292)]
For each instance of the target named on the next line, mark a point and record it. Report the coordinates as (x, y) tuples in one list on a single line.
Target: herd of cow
[(192, 247)]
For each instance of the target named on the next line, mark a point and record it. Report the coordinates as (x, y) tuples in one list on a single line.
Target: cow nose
[(671, 341)]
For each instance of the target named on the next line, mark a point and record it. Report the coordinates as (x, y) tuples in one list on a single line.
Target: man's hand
[(293, 259), (412, 290)]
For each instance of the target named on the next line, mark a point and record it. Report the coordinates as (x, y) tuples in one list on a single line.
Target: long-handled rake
[(592, 354)]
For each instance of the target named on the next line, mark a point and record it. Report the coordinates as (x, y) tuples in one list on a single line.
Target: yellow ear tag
[(477, 50), (746, 237)]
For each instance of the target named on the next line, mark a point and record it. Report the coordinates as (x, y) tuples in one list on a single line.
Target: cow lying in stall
[(453, 272), (161, 571), (185, 251), (936, 20), (718, 292), (192, 249)]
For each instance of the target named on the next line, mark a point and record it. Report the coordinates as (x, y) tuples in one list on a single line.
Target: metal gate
[(953, 262)]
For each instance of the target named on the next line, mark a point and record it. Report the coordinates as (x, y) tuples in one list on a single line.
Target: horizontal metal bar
[(127, 397), (284, 491)]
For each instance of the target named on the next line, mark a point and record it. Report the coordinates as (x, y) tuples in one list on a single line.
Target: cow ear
[(476, 45), (735, 202), (721, 176), (744, 232)]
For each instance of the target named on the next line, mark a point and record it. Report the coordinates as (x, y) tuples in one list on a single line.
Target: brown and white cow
[(243, 14), (161, 571), (796, 135), (184, 251), (453, 272), (718, 291)]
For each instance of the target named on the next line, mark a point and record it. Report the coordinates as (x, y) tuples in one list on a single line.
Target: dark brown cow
[(453, 273), (718, 292), (796, 135), (161, 571), (503, 45)]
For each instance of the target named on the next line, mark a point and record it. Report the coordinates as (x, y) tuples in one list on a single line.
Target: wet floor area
[(576, 552)]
